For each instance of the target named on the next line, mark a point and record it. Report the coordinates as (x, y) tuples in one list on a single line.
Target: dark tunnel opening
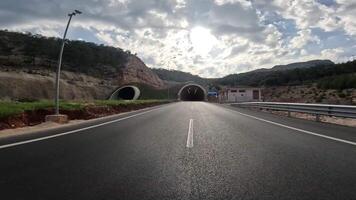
[(126, 93), (192, 93)]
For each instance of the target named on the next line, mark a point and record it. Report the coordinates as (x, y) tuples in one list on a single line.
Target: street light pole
[(169, 70), (56, 100)]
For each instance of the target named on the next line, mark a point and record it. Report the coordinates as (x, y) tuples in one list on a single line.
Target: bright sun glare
[(202, 40)]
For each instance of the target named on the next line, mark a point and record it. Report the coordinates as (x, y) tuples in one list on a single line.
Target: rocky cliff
[(21, 85), (38, 83), (135, 71)]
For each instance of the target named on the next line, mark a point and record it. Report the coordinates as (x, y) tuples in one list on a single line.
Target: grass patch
[(123, 102), (10, 108)]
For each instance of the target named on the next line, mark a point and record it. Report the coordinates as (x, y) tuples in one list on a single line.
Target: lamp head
[(78, 12)]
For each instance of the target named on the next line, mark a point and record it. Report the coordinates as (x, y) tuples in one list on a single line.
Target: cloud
[(332, 53), (303, 38), (242, 35)]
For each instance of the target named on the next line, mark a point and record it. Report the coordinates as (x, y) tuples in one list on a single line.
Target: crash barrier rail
[(314, 109)]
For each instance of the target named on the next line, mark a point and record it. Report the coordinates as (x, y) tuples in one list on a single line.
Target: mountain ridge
[(181, 76), (297, 65), (29, 53)]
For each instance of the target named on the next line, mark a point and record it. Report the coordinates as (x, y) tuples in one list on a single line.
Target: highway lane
[(146, 157)]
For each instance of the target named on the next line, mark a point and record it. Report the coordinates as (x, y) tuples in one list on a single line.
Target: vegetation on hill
[(79, 56), (325, 73), (338, 76), (307, 64), (179, 76), (338, 82)]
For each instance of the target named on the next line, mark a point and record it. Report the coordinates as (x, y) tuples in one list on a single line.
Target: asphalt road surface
[(185, 150)]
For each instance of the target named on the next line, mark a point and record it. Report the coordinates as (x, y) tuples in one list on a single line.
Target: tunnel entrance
[(128, 92), (192, 92)]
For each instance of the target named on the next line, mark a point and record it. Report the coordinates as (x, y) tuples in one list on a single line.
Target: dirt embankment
[(22, 84), (309, 94), (35, 117)]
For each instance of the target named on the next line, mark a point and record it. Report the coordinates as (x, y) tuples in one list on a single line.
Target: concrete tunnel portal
[(192, 92), (189, 92), (128, 92)]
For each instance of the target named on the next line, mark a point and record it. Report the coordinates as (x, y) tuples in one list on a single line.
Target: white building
[(240, 94)]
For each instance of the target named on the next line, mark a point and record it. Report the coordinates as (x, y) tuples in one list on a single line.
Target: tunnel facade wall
[(192, 92), (127, 92)]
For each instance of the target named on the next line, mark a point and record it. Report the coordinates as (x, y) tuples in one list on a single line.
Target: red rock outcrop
[(136, 71)]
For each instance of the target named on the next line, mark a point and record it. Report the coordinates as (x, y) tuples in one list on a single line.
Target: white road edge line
[(190, 143), (74, 131), (298, 129)]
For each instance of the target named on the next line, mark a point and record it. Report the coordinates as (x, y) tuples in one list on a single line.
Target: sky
[(210, 38)]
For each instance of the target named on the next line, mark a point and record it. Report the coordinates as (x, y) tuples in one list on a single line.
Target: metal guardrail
[(314, 109)]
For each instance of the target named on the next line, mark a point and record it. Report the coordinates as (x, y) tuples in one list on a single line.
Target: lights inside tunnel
[(192, 93)]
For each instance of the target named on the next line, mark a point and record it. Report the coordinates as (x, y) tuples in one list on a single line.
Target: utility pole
[(56, 101), (169, 70)]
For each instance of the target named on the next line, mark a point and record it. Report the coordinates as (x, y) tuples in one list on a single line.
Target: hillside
[(309, 94), (36, 52), (324, 73), (297, 65), (308, 64), (340, 75), (91, 71), (179, 76)]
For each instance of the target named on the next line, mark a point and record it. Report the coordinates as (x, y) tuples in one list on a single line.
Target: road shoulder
[(331, 130), (46, 130)]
